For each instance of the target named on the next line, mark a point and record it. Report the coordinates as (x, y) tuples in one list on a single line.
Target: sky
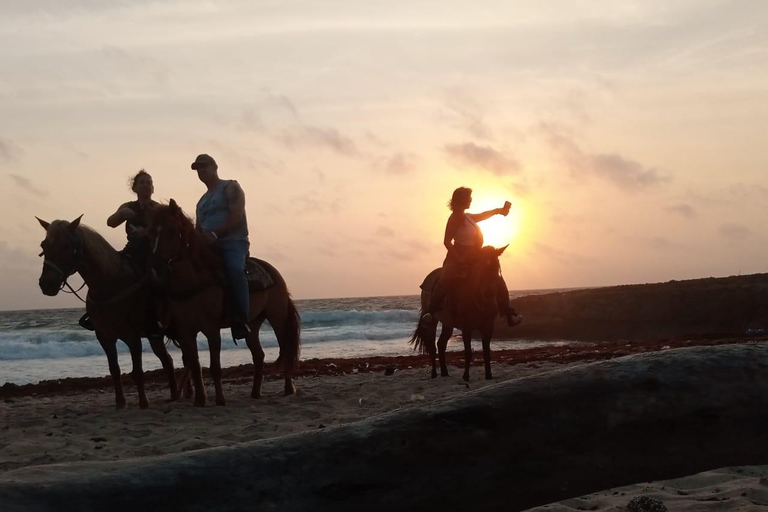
[(629, 136)]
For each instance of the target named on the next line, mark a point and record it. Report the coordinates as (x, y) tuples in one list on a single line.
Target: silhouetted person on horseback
[(135, 214), (464, 240), (221, 218)]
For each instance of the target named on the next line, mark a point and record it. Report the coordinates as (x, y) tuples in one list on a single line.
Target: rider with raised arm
[(463, 241), (220, 217), (135, 214)]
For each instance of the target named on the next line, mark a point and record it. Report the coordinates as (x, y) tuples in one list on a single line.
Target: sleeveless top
[(213, 210), (468, 234), (138, 247)]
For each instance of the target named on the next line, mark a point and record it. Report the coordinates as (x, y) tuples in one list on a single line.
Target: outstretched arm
[(122, 214), (479, 217)]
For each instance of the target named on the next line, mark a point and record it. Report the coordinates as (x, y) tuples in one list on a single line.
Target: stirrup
[(86, 323)]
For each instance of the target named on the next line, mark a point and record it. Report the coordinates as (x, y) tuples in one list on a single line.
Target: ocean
[(48, 344)]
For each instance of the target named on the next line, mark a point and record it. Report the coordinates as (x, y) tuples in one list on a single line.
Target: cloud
[(734, 232), (385, 232), (133, 65), (483, 157), (521, 189), (682, 209), (24, 184), (463, 112), (9, 151), (559, 255), (399, 163), (625, 173), (663, 244), (285, 103), (309, 203), (329, 138)]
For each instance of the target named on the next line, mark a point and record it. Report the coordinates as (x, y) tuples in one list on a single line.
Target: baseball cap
[(203, 160)]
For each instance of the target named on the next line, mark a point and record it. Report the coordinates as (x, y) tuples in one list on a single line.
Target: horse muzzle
[(49, 286)]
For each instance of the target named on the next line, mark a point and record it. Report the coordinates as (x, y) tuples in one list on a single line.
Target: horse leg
[(466, 335), (429, 341), (214, 347), (192, 363), (134, 344), (257, 353), (283, 340), (487, 333), (442, 344), (110, 349), (158, 347)]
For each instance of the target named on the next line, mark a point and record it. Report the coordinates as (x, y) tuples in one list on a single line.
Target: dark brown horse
[(190, 270), (117, 300), (476, 308)]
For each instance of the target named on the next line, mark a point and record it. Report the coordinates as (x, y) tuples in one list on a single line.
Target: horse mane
[(95, 245), (198, 250)]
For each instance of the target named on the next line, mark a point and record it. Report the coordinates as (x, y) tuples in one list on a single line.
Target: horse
[(195, 302), (117, 300), (476, 308)]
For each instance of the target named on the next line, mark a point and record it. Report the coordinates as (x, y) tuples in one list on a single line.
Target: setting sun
[(498, 231)]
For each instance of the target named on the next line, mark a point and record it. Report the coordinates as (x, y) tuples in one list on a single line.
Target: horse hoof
[(255, 395), (120, 405), (290, 390), (466, 377), (443, 374), (144, 405), (434, 375), (221, 401)]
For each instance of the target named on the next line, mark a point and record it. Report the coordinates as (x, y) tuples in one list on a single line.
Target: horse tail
[(289, 354), (417, 338)]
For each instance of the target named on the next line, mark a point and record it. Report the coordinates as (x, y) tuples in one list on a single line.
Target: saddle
[(259, 274)]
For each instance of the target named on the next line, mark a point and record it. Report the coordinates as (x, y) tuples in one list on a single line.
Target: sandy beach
[(75, 419)]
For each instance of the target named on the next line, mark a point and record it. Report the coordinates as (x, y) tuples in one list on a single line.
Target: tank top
[(138, 247), (213, 210), (468, 234)]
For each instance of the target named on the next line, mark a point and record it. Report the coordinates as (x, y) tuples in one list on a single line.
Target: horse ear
[(500, 251), (174, 207), (73, 225), (43, 223)]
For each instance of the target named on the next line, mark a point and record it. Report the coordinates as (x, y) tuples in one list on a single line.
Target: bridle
[(180, 243), (63, 276)]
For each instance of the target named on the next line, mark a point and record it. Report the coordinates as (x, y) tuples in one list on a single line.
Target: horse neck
[(101, 264), (199, 265)]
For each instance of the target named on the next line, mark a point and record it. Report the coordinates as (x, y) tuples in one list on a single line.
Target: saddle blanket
[(259, 274)]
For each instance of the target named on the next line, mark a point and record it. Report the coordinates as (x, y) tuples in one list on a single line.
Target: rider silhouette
[(463, 241)]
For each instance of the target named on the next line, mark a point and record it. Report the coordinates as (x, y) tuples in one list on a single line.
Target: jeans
[(233, 254)]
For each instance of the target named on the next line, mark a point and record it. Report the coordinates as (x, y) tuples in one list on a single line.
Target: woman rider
[(135, 214), (463, 240)]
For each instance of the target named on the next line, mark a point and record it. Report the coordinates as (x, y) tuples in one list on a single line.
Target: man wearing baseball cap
[(221, 218)]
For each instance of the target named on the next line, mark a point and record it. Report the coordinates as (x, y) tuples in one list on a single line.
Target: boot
[(513, 318)]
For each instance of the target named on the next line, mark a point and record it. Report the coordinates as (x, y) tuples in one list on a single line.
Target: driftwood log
[(511, 446)]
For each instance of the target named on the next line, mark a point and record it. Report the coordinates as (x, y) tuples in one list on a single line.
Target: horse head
[(171, 232), (482, 279), (62, 253)]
